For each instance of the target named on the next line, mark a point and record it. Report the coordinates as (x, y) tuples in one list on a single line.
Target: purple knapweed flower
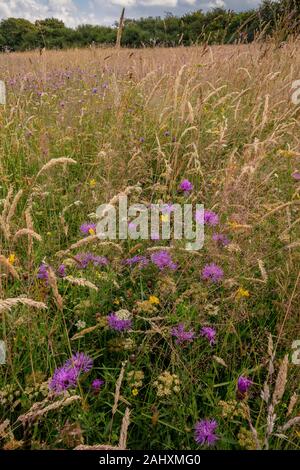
[(220, 239), (96, 385), (182, 335), (296, 175), (141, 260), (212, 272), (80, 362), (205, 432), (88, 228), (209, 333), (167, 133), (61, 271), (167, 208), (243, 384), (43, 272), (211, 218), (118, 324), (142, 140), (63, 379), (94, 90), (162, 259), (84, 259), (186, 186)]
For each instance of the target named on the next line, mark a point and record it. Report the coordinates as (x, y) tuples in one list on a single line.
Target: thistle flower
[(88, 228), (212, 272), (186, 186), (80, 362), (243, 384), (296, 175), (137, 259), (211, 218), (96, 385), (162, 259), (84, 259), (63, 379), (205, 432), (220, 239), (43, 272), (61, 271), (209, 333), (182, 335), (118, 324)]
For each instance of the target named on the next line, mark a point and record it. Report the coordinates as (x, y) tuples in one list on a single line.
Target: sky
[(106, 12)]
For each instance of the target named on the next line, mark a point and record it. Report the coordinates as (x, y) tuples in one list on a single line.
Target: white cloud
[(146, 3)]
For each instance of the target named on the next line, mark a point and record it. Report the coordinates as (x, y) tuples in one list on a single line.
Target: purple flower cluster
[(84, 259), (296, 175), (209, 333), (220, 239), (186, 186), (243, 384), (118, 324), (141, 260), (88, 228), (43, 272), (162, 259), (211, 218), (97, 384), (205, 432), (66, 377), (182, 335), (212, 272)]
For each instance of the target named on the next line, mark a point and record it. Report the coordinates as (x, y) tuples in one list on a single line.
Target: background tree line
[(218, 26)]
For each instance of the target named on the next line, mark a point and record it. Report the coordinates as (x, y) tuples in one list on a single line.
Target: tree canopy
[(217, 26)]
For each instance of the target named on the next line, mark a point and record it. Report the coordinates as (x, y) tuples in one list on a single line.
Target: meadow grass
[(221, 117)]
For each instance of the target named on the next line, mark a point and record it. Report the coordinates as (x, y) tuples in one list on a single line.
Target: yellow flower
[(153, 300), (12, 258), (242, 292), (134, 392), (92, 231), (92, 183), (117, 302), (287, 153), (164, 217)]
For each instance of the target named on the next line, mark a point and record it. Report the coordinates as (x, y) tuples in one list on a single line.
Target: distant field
[(174, 335)]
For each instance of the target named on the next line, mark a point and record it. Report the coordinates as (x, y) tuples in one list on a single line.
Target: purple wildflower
[(118, 324), (97, 384), (205, 432), (211, 218), (221, 239), (142, 140), (296, 175), (61, 271), (88, 228), (209, 333), (166, 133), (167, 208), (43, 272), (84, 259), (182, 335), (162, 259), (63, 379), (212, 272), (243, 384), (186, 186), (80, 362), (137, 259)]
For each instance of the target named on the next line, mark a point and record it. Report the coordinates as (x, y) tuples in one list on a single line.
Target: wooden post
[(120, 29)]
